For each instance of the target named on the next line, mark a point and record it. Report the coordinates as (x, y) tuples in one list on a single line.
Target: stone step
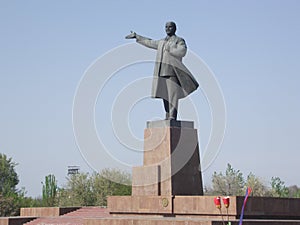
[(57, 220), (75, 218), (46, 211), (179, 221), (89, 212)]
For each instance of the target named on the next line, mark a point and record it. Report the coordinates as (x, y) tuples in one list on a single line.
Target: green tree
[(8, 191), (77, 191), (232, 183), (8, 176), (256, 184), (278, 188), (85, 190), (8, 206), (50, 191), (110, 182), (294, 191), (26, 202)]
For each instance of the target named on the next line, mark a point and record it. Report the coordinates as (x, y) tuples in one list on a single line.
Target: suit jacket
[(169, 63)]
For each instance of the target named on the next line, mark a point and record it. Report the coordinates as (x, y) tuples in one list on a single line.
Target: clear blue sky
[(251, 46)]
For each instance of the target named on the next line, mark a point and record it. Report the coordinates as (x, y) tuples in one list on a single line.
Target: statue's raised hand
[(131, 35)]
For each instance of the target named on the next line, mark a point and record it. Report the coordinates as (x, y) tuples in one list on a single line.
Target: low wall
[(46, 211)]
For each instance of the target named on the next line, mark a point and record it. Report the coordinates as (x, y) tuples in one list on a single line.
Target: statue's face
[(170, 28)]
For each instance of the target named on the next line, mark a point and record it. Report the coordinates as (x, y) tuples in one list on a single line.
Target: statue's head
[(170, 28)]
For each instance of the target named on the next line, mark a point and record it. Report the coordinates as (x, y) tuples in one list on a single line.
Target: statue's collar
[(170, 37)]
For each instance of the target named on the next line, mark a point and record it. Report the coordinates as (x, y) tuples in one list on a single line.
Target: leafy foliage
[(294, 191), (84, 190), (50, 191), (232, 183), (110, 182), (257, 186), (8, 176), (8, 206), (278, 188), (12, 199), (77, 191), (8, 182)]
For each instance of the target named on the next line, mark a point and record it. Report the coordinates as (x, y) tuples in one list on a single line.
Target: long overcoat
[(169, 63)]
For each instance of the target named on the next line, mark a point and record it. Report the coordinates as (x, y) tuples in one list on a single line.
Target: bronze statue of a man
[(172, 80)]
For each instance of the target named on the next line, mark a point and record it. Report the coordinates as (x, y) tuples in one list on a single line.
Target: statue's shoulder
[(178, 39)]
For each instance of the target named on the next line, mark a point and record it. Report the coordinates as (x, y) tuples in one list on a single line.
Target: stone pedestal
[(171, 161), (167, 189)]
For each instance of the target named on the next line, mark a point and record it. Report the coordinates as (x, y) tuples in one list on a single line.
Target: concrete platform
[(203, 206)]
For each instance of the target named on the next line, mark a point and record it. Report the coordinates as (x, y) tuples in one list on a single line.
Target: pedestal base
[(258, 208), (171, 161)]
